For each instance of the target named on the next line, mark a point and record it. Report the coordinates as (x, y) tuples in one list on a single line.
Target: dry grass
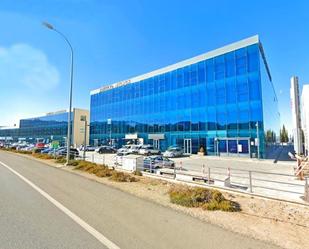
[(122, 177), (208, 199), (137, 173), (42, 156), (60, 160)]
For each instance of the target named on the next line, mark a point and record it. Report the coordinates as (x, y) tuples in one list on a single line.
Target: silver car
[(148, 150), (173, 152)]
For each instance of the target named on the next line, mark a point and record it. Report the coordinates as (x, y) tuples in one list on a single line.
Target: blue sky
[(115, 40)]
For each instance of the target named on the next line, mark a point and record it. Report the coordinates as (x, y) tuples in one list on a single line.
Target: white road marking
[(100, 237)]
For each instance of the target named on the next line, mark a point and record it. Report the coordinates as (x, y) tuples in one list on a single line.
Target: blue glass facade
[(46, 128), (213, 103)]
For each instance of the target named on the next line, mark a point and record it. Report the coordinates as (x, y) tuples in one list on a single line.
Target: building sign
[(156, 136), (118, 84), (131, 136), (55, 144), (239, 147), (54, 113)]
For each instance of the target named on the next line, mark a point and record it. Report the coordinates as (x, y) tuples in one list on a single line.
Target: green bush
[(225, 205), (201, 197), (189, 197), (122, 177)]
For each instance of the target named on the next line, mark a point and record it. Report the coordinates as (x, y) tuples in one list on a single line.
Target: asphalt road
[(29, 220)]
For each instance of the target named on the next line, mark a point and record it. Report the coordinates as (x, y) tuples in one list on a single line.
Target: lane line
[(100, 237)]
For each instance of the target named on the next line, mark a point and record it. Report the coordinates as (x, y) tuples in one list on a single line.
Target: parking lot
[(267, 178)]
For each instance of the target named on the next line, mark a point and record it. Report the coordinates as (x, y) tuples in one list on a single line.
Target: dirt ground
[(281, 223)]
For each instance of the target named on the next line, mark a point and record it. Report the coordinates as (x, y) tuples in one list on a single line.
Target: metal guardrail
[(252, 181)]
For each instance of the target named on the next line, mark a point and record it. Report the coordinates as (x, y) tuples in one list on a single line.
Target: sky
[(116, 40)]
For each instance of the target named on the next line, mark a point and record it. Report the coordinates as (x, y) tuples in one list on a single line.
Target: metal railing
[(268, 184), (252, 181)]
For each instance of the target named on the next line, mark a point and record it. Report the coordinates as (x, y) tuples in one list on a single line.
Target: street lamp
[(51, 27)]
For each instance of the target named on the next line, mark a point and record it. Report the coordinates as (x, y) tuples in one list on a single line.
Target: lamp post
[(49, 26)]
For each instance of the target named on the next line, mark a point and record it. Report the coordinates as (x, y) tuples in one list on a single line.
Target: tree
[(284, 136), (270, 136)]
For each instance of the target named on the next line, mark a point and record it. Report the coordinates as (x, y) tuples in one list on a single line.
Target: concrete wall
[(79, 127)]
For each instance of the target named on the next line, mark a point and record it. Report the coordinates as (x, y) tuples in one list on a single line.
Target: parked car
[(148, 150), (55, 151), (158, 162), (134, 149), (105, 149), (125, 149), (173, 152), (47, 150), (63, 152)]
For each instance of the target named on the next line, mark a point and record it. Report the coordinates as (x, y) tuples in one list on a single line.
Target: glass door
[(156, 144), (187, 146)]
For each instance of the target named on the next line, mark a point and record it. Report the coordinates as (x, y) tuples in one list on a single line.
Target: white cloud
[(23, 65)]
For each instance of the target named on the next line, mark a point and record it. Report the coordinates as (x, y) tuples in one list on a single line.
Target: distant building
[(305, 116), (296, 117), (52, 126)]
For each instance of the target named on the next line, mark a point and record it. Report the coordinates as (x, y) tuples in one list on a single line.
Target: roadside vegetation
[(102, 171), (207, 199), (192, 197)]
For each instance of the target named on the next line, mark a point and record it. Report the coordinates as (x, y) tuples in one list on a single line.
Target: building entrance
[(187, 146)]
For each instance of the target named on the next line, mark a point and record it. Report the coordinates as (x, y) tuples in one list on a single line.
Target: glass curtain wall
[(46, 128), (214, 103)]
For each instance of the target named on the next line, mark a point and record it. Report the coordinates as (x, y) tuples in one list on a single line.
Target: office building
[(50, 127), (222, 100)]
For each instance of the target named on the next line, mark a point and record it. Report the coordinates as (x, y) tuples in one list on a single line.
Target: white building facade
[(296, 117), (305, 116)]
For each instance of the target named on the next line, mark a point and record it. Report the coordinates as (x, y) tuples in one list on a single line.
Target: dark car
[(105, 150)]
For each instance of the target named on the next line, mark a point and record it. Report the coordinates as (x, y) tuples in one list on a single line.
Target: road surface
[(29, 217)]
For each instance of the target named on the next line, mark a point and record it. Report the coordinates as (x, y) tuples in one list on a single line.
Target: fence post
[(209, 175), (306, 194), (250, 181), (175, 172), (92, 158)]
